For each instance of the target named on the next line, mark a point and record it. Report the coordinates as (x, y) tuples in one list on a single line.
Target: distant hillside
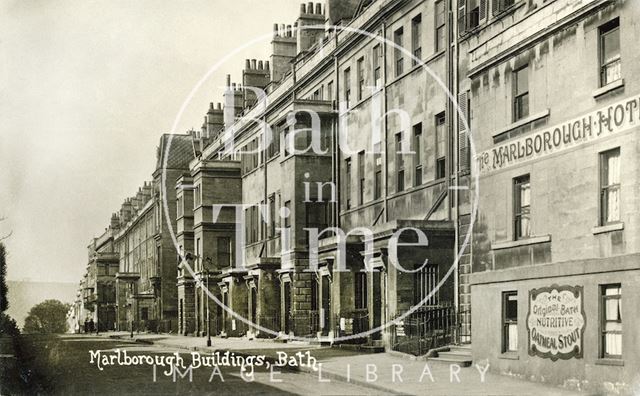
[(25, 294)]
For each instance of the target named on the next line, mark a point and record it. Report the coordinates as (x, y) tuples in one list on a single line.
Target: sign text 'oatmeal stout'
[(555, 322)]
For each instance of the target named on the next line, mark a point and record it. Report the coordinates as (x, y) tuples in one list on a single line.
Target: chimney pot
[(289, 31), (319, 8), (211, 105), (228, 80), (310, 7), (275, 30), (266, 65), (233, 85), (253, 64), (303, 8), (247, 65), (260, 65), (219, 106)]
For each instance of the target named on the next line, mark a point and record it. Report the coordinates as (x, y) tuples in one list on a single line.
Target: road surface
[(61, 366)]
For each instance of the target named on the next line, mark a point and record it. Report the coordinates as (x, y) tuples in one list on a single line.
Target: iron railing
[(271, 322), (352, 322), (426, 328), (314, 322)]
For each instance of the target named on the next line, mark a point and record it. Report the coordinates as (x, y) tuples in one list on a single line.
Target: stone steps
[(458, 354)]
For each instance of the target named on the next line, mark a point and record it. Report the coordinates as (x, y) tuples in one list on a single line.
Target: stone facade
[(184, 236), (142, 289), (516, 125), (386, 192), (99, 284), (553, 115)]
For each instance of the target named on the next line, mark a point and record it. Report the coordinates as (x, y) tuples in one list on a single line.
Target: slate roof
[(180, 151)]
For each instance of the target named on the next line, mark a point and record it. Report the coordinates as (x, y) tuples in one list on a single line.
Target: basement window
[(509, 321), (611, 321)]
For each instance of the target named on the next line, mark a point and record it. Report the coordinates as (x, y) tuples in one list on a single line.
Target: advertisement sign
[(555, 322)]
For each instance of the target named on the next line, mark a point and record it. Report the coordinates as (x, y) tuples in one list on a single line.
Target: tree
[(48, 317), (8, 326), (4, 302)]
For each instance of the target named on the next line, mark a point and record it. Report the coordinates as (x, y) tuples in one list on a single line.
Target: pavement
[(381, 373)]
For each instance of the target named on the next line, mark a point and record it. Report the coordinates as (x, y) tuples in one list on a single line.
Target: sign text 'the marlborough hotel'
[(598, 124)]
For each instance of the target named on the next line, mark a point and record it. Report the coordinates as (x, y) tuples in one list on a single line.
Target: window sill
[(307, 154), (274, 157), (522, 122), (609, 362), (607, 228), (520, 242), (509, 10), (413, 68), (608, 88), (509, 356), (409, 190), (493, 18)]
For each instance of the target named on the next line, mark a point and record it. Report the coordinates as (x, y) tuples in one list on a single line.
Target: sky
[(86, 90)]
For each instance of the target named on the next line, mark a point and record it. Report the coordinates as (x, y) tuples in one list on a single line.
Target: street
[(61, 366)]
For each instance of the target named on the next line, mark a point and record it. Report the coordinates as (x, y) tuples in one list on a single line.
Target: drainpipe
[(385, 278), (453, 38), (335, 147), (335, 163), (264, 181), (384, 123)]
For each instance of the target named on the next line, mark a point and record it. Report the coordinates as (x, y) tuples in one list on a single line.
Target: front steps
[(458, 354), (375, 346)]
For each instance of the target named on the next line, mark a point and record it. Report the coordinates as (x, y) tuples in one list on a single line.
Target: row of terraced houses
[(520, 118)]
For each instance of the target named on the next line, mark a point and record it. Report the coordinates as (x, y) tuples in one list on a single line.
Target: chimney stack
[(257, 77), (233, 97), (147, 192), (310, 26), (126, 211), (115, 221), (215, 121), (283, 51), (140, 199)]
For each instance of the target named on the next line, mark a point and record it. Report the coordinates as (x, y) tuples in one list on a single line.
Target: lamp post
[(97, 315), (208, 260), (208, 313), (130, 320)]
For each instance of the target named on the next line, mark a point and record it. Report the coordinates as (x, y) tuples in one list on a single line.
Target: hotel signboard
[(556, 322), (598, 124)]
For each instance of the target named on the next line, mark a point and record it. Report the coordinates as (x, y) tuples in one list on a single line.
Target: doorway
[(377, 286), (254, 305), (286, 313), (326, 304)]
